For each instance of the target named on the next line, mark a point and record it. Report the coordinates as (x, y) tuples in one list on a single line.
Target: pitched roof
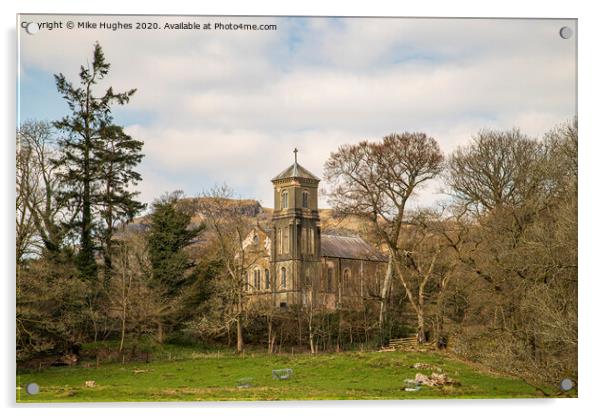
[(349, 248), (296, 171)]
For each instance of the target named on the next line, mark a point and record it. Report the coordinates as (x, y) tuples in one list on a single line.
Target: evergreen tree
[(118, 155), (171, 231), (79, 160)]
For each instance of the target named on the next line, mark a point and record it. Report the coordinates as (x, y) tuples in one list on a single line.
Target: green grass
[(203, 376)]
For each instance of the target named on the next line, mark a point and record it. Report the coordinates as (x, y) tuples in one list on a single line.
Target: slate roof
[(349, 248), (296, 171)]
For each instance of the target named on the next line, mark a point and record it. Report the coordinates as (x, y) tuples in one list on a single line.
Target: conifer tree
[(171, 231), (80, 150), (118, 155)]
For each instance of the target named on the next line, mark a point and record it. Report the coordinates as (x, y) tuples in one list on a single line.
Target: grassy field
[(208, 376)]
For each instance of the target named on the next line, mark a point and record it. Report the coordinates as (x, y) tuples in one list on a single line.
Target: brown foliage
[(520, 308)]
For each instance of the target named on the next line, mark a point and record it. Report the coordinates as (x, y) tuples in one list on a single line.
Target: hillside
[(331, 222)]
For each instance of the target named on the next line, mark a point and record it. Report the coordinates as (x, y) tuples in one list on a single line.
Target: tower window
[(257, 279), (267, 278), (305, 199), (283, 277), (284, 200)]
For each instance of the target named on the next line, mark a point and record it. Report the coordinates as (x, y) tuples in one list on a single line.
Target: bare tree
[(26, 186), (135, 301), (519, 249), (499, 168), (40, 214), (121, 300), (310, 310), (375, 180), (229, 227), (430, 245), (264, 308)]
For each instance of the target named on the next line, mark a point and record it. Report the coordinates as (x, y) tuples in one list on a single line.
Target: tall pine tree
[(170, 232), (81, 151), (118, 154)]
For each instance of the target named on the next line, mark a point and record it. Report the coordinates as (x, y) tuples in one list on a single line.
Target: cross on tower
[(295, 152)]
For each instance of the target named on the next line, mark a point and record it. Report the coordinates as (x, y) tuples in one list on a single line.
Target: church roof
[(296, 171), (349, 248)]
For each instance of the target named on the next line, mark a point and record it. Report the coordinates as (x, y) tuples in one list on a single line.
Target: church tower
[(295, 254)]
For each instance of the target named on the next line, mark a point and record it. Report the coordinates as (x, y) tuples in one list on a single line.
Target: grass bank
[(191, 375)]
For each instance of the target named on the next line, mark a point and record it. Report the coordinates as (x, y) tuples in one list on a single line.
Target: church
[(292, 262)]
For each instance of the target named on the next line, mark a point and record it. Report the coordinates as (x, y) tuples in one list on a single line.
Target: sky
[(223, 106)]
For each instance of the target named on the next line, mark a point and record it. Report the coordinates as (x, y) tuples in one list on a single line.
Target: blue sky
[(215, 107)]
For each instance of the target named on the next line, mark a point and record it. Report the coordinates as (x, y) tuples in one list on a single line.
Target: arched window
[(305, 199), (257, 279), (267, 278), (347, 282), (247, 282), (284, 200), (329, 279), (283, 277)]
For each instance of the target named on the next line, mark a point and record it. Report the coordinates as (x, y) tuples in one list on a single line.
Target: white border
[(590, 340)]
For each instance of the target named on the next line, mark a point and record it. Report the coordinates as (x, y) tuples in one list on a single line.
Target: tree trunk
[(269, 335), (107, 255), (93, 319), (160, 332), (239, 340), (122, 331), (339, 331), (420, 336), (311, 335), (124, 295), (229, 335), (86, 260), (310, 325), (383, 297)]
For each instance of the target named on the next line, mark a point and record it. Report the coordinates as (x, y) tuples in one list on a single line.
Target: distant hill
[(331, 222)]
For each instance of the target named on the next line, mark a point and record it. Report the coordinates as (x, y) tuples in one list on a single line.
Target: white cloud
[(230, 106), (245, 160)]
